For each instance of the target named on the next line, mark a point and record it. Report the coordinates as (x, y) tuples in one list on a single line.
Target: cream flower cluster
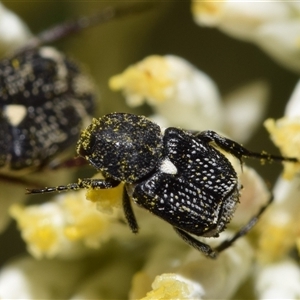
[(64, 225)]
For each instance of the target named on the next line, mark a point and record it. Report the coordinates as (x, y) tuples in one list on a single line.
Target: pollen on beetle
[(85, 137)]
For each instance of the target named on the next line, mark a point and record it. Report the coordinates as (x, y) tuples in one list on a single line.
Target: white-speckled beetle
[(178, 175)]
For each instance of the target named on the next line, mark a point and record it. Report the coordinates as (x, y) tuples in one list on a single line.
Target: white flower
[(65, 227), (285, 133), (179, 92), (27, 278), (240, 19), (229, 270), (272, 25), (185, 97), (279, 228), (244, 109), (280, 280), (281, 40), (13, 32), (292, 108), (186, 274)]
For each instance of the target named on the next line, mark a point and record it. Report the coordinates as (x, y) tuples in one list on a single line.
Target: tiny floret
[(174, 286), (285, 133), (149, 80)]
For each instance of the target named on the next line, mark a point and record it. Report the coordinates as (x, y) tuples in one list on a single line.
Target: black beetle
[(178, 175), (45, 100)]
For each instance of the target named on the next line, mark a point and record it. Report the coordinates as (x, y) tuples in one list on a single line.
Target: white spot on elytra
[(168, 167), (15, 113)]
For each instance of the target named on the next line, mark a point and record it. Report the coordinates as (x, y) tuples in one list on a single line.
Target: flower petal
[(13, 32), (182, 95), (244, 110)]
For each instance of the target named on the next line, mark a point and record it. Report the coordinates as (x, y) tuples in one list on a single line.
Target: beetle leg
[(129, 214), (200, 246), (236, 149)]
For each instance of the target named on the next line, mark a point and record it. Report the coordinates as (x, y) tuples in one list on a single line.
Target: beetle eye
[(87, 147)]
